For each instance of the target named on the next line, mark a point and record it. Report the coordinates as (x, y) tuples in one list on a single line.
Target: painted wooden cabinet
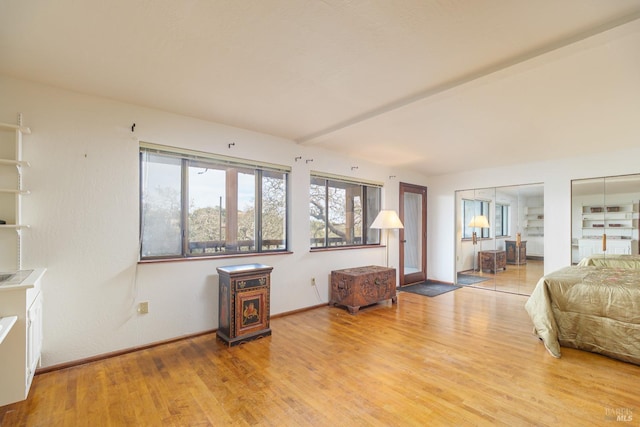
[(516, 255), (243, 305)]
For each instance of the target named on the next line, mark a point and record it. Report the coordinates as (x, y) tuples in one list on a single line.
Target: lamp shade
[(479, 221), (387, 219)]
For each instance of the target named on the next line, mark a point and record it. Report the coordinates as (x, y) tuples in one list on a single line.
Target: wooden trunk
[(361, 286), (492, 260)]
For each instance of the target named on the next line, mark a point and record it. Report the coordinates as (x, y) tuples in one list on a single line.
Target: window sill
[(212, 257), (344, 248)]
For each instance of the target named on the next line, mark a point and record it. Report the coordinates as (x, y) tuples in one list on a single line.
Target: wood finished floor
[(517, 279), (466, 357)]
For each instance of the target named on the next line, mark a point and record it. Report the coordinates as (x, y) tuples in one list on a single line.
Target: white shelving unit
[(534, 220), (533, 227), (618, 220), (20, 296), (11, 193)]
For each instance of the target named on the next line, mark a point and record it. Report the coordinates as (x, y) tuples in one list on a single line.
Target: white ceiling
[(432, 85)]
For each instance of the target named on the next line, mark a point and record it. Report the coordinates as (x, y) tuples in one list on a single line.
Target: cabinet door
[(588, 248), (619, 248), (252, 311), (34, 336)]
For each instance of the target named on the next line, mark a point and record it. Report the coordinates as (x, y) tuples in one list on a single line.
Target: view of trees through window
[(338, 215), (195, 207)]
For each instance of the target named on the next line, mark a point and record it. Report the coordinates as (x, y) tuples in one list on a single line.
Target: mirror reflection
[(604, 217), (500, 237)]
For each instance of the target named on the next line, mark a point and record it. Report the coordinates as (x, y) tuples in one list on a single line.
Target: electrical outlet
[(143, 307), (313, 281)]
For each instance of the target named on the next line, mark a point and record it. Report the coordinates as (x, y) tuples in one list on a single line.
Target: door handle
[(403, 241)]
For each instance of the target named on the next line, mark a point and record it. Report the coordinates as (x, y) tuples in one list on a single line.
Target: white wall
[(84, 215), (83, 209)]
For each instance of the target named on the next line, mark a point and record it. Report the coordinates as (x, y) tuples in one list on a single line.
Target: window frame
[(191, 158), (504, 210), (484, 207), (367, 236)]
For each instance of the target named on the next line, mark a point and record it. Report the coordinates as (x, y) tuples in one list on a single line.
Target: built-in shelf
[(11, 193), (615, 220), (534, 220), (15, 191), (20, 296), (7, 126), (8, 162)]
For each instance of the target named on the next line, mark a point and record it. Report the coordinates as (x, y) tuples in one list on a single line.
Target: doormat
[(429, 289), (467, 279)]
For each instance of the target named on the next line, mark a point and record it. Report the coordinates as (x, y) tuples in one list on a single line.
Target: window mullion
[(258, 211), (231, 239), (326, 213), (184, 220)]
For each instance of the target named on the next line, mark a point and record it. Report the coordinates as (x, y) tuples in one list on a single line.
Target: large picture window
[(193, 204), (342, 211)]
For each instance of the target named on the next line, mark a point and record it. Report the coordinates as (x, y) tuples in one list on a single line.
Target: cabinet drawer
[(251, 282)]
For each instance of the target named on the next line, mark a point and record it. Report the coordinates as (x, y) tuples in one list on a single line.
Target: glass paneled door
[(413, 237)]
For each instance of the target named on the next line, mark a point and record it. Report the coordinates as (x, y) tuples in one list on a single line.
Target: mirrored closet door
[(508, 255), (604, 215), (476, 261)]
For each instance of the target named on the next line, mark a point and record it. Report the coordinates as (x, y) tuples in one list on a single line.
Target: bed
[(590, 308), (621, 261)]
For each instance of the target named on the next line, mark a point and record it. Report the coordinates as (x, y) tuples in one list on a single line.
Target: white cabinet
[(21, 349), (11, 193), (535, 247), (20, 296), (34, 336), (589, 247)]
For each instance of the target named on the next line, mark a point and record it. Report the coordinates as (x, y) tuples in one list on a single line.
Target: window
[(503, 213), (195, 204), (341, 212), (471, 208)]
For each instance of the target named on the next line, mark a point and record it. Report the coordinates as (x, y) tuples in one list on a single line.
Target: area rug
[(467, 279), (429, 289)]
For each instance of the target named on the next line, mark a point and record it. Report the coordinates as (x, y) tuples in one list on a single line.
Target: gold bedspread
[(621, 261), (589, 308)]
